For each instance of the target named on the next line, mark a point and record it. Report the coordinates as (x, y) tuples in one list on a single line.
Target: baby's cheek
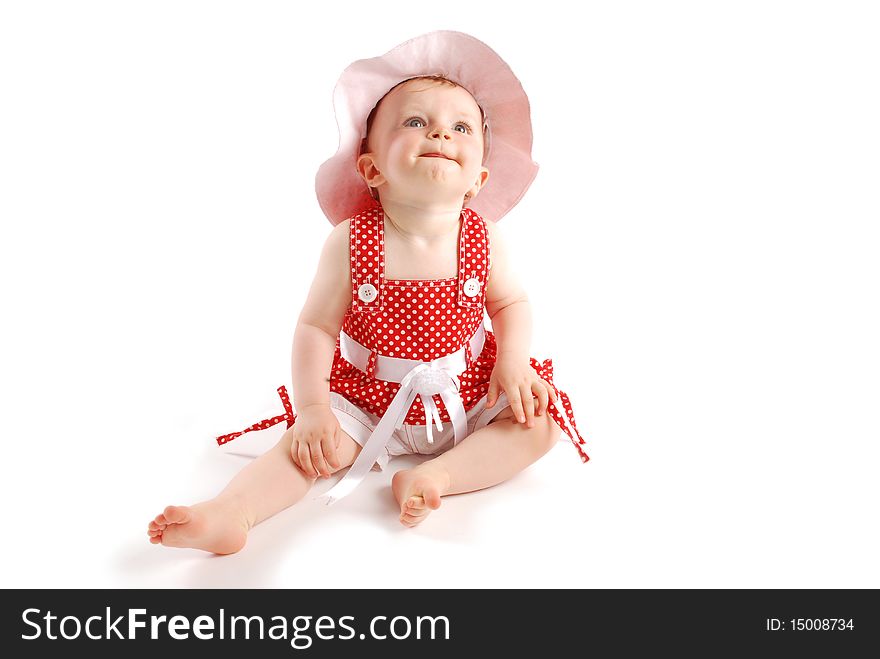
[(398, 149)]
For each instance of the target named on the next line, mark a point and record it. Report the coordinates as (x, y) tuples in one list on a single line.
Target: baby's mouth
[(434, 154)]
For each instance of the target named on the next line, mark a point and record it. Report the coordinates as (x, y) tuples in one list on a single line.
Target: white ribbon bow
[(424, 381)]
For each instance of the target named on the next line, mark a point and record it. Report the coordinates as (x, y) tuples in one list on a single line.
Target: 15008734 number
[(821, 624)]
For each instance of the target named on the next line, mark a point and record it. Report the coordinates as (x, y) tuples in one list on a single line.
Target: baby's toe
[(411, 519), (414, 515), (175, 514)]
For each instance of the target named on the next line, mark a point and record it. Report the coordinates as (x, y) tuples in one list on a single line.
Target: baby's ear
[(478, 184), (366, 167)]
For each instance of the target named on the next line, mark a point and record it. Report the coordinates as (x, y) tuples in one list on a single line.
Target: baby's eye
[(462, 127), (414, 122)]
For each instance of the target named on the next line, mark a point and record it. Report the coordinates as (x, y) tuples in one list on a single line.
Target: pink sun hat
[(458, 57)]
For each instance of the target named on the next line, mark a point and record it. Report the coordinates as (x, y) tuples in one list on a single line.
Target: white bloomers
[(409, 439)]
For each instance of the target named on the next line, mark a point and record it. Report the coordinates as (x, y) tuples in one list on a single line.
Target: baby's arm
[(511, 314), (316, 432), (320, 320), (506, 301)]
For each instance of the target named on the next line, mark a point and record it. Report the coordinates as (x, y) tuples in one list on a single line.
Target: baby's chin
[(428, 194)]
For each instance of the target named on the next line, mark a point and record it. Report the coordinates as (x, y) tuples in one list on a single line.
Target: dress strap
[(474, 261), (367, 257)]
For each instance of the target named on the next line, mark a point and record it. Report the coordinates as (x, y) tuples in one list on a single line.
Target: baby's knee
[(286, 440), (546, 432)]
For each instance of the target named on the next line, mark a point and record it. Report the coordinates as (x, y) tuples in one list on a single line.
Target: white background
[(700, 248)]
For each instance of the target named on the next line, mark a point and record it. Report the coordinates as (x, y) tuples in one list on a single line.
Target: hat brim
[(461, 58)]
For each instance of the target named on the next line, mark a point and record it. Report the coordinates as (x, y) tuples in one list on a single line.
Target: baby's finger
[(492, 395), (294, 453), (317, 455), (515, 401), (305, 460), (528, 403), (543, 397), (328, 446)]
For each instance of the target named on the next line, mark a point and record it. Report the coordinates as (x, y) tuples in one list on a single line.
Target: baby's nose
[(441, 133)]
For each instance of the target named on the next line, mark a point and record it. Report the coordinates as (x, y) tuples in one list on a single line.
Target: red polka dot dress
[(419, 320)]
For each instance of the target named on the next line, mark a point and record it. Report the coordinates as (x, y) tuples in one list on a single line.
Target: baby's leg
[(487, 457), (266, 486)]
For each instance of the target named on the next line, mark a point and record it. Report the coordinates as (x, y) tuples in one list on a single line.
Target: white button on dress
[(472, 287), (367, 292)]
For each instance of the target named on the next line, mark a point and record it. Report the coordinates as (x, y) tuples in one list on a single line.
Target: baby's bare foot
[(212, 526), (418, 491)]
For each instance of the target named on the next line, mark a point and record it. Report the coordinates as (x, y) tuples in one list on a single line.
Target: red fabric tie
[(564, 411), (288, 416)]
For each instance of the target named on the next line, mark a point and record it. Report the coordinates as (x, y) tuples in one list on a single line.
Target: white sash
[(416, 378)]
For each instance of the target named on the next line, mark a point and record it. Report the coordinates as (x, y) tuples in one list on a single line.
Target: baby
[(395, 313)]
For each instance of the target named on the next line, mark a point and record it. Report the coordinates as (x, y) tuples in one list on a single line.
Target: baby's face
[(427, 139)]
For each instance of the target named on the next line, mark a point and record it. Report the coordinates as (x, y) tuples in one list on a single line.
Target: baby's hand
[(514, 376), (315, 440)]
